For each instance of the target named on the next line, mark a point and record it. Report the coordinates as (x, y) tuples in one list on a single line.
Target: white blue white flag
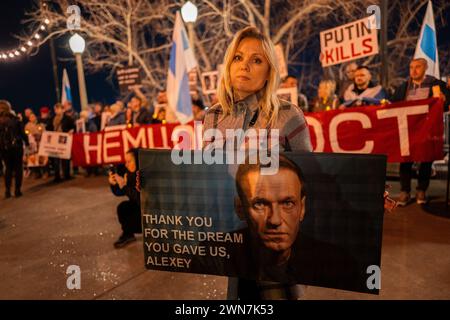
[(182, 61), (427, 45), (66, 94)]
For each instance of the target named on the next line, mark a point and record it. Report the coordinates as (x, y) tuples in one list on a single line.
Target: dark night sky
[(28, 81)]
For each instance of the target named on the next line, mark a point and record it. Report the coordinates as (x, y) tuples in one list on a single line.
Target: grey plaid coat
[(291, 123), (293, 135)]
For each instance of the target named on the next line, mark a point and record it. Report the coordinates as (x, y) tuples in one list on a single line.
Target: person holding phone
[(128, 211)]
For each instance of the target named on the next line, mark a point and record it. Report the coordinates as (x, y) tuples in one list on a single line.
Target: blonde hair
[(330, 86), (269, 102)]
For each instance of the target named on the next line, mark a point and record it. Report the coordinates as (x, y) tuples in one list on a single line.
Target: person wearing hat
[(44, 116)]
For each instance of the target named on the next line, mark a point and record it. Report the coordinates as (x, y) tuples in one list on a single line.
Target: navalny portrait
[(274, 206)]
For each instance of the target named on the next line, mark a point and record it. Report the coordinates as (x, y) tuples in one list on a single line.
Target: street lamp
[(77, 45), (189, 13)]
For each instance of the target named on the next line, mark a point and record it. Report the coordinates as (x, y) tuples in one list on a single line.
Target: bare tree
[(125, 32)]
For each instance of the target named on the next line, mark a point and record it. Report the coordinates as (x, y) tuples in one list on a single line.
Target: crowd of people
[(357, 88), (251, 82)]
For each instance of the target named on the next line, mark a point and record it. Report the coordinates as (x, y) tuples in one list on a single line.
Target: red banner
[(405, 131), (410, 131)]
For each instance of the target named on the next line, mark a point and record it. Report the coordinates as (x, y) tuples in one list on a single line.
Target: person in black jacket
[(141, 115), (12, 137), (418, 86), (61, 122), (128, 211)]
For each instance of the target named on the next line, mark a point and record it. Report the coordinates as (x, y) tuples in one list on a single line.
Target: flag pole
[(383, 45), (55, 70)]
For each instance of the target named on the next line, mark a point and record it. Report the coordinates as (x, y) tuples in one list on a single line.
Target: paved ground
[(74, 223)]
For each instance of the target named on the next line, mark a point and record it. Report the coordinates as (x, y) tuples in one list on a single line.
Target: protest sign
[(317, 221), (128, 78), (348, 42), (56, 145)]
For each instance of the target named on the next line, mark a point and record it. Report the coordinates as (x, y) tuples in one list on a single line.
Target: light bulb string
[(35, 41)]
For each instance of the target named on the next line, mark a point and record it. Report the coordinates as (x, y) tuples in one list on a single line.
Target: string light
[(8, 55)]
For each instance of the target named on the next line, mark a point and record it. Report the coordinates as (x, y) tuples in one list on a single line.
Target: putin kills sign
[(348, 42)]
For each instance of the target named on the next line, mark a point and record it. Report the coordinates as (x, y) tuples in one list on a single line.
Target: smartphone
[(112, 168)]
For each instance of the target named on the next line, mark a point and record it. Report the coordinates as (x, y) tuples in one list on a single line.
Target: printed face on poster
[(80, 126), (210, 82), (316, 221)]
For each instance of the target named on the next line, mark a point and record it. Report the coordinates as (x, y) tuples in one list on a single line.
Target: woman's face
[(323, 91), (33, 118), (249, 69)]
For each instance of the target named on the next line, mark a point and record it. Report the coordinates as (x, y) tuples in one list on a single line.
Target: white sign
[(210, 82), (349, 42), (288, 94), (281, 61), (56, 145)]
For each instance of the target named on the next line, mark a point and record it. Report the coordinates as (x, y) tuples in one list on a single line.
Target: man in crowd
[(97, 115), (140, 114), (44, 115), (418, 86), (61, 122), (363, 91), (12, 137)]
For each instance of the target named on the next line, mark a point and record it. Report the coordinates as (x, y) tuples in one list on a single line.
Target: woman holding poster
[(247, 99)]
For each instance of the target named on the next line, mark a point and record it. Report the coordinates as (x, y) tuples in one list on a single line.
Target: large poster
[(317, 220)]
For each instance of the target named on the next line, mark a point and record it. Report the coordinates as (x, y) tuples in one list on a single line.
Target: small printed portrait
[(209, 82), (62, 140)]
